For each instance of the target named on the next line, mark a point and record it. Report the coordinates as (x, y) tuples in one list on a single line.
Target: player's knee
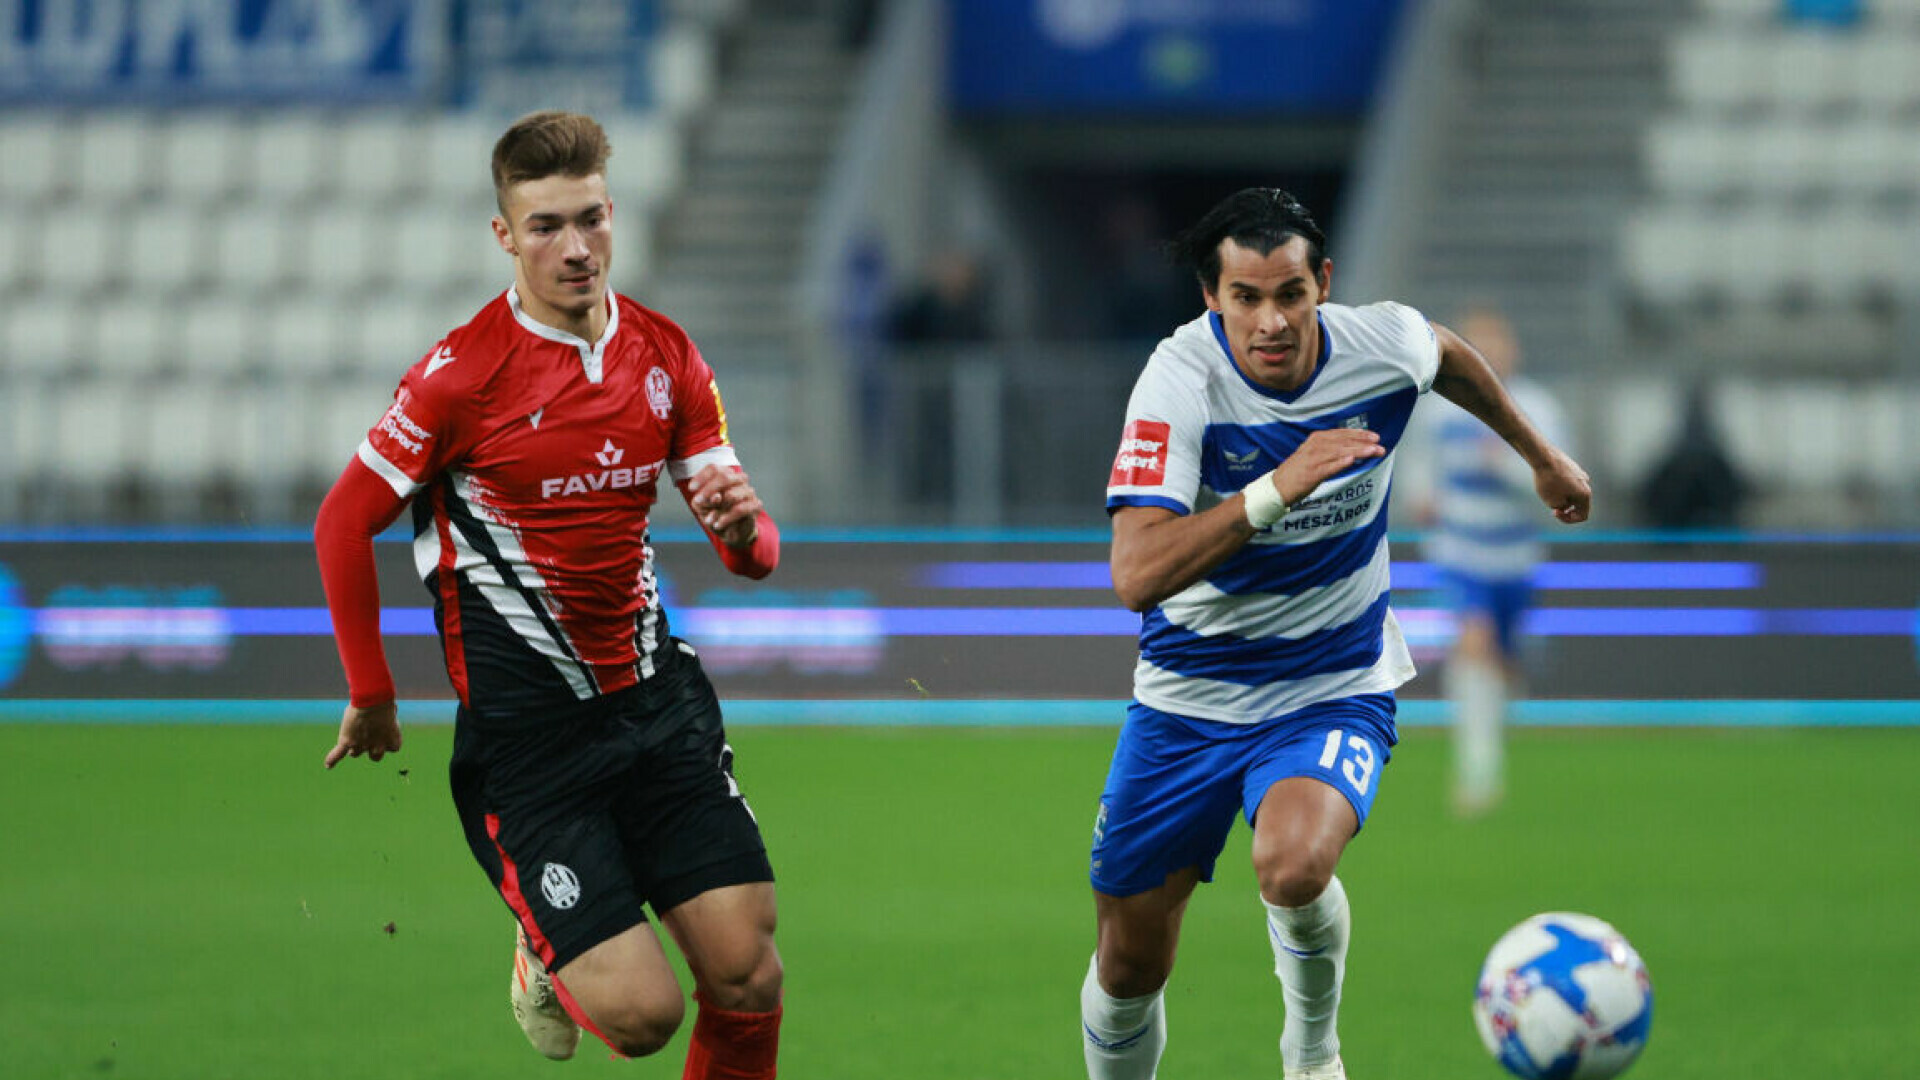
[(641, 1028), (1296, 879), (1131, 973), (751, 986)]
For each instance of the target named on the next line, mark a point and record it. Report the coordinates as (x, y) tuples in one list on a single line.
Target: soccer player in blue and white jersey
[(1486, 541), (1248, 503)]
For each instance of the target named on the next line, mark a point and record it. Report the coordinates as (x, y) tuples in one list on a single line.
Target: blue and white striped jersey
[(1487, 516), (1300, 614)]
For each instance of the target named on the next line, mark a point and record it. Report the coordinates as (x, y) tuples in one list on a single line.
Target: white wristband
[(1263, 502)]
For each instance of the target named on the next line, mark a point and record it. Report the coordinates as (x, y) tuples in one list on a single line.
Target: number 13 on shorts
[(1350, 756)]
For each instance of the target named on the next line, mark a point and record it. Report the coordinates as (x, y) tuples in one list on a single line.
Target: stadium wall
[(983, 627)]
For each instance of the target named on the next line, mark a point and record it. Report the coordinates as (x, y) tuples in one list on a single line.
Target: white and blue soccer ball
[(1563, 997)]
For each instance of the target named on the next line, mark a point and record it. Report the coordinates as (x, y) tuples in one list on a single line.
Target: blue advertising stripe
[(1407, 574), (1000, 712), (403, 534), (1103, 621)]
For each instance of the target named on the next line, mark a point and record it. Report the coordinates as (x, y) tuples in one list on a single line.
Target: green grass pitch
[(207, 902)]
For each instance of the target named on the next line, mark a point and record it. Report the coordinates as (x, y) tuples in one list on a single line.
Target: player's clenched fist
[(1324, 455), (726, 504)]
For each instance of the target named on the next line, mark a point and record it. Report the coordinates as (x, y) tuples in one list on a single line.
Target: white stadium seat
[(1716, 70), (167, 247), (389, 334), (253, 249), (305, 339), (36, 147), (115, 155), (77, 249), (292, 157), (135, 337), (202, 157), (45, 337), (220, 337), (455, 155), (346, 248), (379, 155), (97, 426)]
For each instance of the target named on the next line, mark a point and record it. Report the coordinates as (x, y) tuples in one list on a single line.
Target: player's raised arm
[(356, 510), (736, 523), (1467, 380)]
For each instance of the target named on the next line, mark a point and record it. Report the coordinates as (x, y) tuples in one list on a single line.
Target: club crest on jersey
[(1142, 461), (659, 393)]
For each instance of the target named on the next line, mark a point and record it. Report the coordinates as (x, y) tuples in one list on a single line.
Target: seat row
[(1717, 67), (1695, 155)]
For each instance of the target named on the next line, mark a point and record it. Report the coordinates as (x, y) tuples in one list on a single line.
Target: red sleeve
[(757, 559), (360, 506)]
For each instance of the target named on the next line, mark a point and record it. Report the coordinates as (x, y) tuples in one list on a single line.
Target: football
[(1563, 997)]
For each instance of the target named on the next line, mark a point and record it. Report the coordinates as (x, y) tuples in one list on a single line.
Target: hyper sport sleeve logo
[(1142, 460)]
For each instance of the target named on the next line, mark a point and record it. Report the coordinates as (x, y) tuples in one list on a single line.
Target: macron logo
[(441, 357), (609, 455)]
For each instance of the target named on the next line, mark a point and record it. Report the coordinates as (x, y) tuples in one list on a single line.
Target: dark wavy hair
[(1258, 219)]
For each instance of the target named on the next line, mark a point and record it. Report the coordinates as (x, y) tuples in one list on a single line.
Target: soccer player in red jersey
[(590, 767)]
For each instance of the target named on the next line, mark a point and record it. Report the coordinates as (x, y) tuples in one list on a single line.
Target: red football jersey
[(532, 457)]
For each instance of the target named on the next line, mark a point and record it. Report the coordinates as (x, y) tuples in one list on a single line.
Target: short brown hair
[(549, 143)]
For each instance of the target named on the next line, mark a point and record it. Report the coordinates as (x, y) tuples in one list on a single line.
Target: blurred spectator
[(948, 308), (949, 304), (1694, 483), (1486, 543), (1146, 293)]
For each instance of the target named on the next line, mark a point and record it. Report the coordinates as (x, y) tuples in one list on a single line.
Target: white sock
[(1480, 704), (1310, 956), (1123, 1037)]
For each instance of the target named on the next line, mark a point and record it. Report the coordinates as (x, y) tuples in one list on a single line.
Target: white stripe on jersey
[(508, 599), (402, 484), (721, 455), (1237, 703), (1204, 609)]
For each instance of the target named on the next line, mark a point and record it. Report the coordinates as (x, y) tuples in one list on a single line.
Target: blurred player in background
[(1249, 527), (1486, 542), (590, 767)]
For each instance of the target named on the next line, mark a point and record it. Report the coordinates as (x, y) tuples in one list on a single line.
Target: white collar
[(591, 352)]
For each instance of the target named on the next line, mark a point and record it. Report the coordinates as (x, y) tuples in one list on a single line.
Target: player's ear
[(503, 236), (1326, 279), (1212, 301)]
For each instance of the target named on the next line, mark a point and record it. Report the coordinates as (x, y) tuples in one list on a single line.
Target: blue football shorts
[(1505, 602), (1175, 781)]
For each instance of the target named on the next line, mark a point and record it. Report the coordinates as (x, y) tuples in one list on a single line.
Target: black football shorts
[(582, 816)]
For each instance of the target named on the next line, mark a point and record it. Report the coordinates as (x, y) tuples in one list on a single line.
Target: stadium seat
[(293, 157), (1665, 256), (1716, 70), (347, 248), (253, 249), (97, 426), (1808, 67), (202, 157), (455, 159), (1640, 418), (339, 419), (389, 334), (166, 247), (1884, 70), (379, 156), (44, 337), (135, 337), (36, 147), (304, 339), (219, 337), (1690, 157), (684, 64), (77, 250), (649, 160), (116, 155), (446, 250)]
